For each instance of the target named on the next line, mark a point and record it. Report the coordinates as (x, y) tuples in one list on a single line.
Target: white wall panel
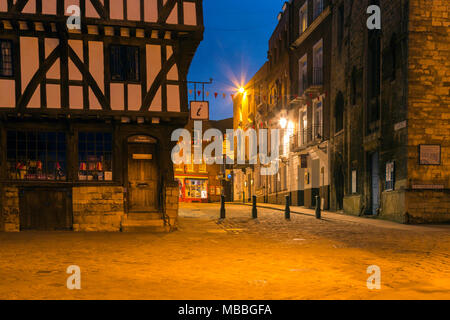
[(74, 72), (116, 9), (173, 98), (53, 96), (157, 102), (49, 7), (153, 53), (173, 17), (8, 96), (190, 14), (76, 97), (150, 10), (94, 104), (134, 10), (134, 97), (117, 96), (96, 63), (3, 5), (29, 59)]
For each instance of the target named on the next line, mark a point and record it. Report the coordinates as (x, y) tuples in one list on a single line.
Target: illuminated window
[(303, 18), (95, 156), (35, 155)]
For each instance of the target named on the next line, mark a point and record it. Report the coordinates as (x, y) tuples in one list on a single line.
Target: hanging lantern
[(215, 95)]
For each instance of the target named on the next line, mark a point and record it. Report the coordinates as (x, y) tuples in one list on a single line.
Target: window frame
[(46, 161), (95, 151), (125, 68), (303, 18), (11, 55), (303, 73)]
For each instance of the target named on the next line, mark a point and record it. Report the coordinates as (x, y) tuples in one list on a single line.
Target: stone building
[(390, 109), (204, 182), (86, 112), (369, 108), (290, 94)]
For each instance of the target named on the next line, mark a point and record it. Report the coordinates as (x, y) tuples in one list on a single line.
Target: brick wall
[(97, 208), (428, 107), (9, 218)]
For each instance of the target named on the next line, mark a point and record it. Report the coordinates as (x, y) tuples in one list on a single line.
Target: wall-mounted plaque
[(429, 154), (390, 174), (138, 156), (141, 139), (199, 110)]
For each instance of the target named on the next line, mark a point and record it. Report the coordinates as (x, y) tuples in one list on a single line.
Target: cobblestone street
[(239, 258)]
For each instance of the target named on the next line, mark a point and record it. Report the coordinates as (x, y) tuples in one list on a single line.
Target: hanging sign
[(199, 110)]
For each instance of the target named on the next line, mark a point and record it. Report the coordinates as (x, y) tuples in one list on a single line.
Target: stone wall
[(352, 204), (97, 208), (393, 206), (9, 214), (427, 206), (428, 107), (171, 207)]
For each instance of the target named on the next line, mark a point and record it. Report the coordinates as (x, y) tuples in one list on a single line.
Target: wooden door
[(142, 178), (45, 209)]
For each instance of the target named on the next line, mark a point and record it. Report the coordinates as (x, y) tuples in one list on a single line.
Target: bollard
[(222, 207), (287, 211), (318, 213), (254, 210)]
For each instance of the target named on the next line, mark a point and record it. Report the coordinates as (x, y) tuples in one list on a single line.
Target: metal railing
[(317, 76), (303, 84), (306, 136)]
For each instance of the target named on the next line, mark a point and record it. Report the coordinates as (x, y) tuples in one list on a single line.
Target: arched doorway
[(142, 174)]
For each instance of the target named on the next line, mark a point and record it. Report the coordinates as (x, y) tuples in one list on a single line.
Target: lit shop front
[(193, 188)]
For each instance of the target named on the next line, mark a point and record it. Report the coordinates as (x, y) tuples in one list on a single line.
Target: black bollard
[(318, 213), (254, 210), (287, 211), (222, 207)]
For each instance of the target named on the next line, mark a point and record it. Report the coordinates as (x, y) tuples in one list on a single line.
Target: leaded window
[(35, 155)]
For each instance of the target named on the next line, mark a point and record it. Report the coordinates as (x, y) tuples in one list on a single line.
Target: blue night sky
[(235, 46)]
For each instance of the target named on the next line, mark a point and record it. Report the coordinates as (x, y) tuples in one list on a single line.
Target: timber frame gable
[(66, 72)]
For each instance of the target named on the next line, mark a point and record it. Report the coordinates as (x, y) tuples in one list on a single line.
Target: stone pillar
[(171, 205), (10, 220)]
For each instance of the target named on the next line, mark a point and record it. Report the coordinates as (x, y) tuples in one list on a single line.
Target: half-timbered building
[(86, 113)]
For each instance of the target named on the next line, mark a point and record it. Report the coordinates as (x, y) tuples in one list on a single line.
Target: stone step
[(144, 216), (141, 225), (145, 229)]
